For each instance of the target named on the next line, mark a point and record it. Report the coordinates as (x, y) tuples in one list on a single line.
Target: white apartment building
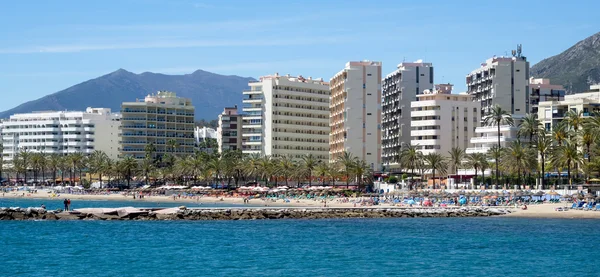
[(400, 88), (355, 113), (286, 115), (229, 132), (541, 90), (158, 119), (486, 137), (552, 112), (441, 120), (502, 81), (62, 132), (202, 133)]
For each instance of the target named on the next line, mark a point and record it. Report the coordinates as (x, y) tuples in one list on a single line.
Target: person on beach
[(66, 205)]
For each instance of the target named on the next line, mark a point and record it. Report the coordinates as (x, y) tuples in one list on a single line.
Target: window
[(368, 153), (369, 74), (368, 113), (369, 93), (474, 110), (368, 134)]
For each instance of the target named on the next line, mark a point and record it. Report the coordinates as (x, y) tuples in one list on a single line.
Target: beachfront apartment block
[(441, 120), (541, 91), (355, 113), (229, 131), (399, 89), (61, 132), (502, 81), (285, 115), (486, 137), (161, 119), (551, 113)]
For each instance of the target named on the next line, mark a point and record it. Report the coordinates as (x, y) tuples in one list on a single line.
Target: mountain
[(209, 92), (576, 68)]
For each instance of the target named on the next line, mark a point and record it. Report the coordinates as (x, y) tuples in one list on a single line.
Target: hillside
[(576, 68), (209, 92)]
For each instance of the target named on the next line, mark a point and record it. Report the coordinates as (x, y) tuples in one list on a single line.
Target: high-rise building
[(355, 113), (163, 120), (541, 90), (400, 88), (229, 132), (502, 81), (61, 132), (286, 116), (441, 120)]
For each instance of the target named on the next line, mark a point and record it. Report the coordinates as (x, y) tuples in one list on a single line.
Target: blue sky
[(46, 46)]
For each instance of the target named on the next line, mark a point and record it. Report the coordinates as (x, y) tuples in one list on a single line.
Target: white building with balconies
[(551, 113), (487, 137), (441, 120), (400, 88), (62, 132), (286, 116)]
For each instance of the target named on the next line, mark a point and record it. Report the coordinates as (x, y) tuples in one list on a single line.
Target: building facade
[(551, 113), (400, 88), (229, 132), (203, 133), (441, 120), (286, 116), (541, 91), (355, 113), (163, 120), (486, 137), (502, 81), (61, 133)]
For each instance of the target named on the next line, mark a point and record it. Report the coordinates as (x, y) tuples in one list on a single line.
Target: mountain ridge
[(209, 92)]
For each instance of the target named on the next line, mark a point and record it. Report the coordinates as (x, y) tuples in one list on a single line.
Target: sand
[(548, 211)]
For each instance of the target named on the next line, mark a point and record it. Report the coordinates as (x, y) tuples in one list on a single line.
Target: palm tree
[(457, 155), (410, 157), (128, 166), (36, 160), (266, 168), (559, 132), (64, 165), (514, 158), (18, 164), (149, 149), (216, 165), (496, 117), (1, 160), (54, 161), (77, 162), (172, 145), (474, 160), (97, 161), (333, 172), (322, 170), (361, 170), (529, 127), (568, 156), (347, 161), (543, 144), (588, 136), (25, 156), (436, 161), (252, 166), (285, 166), (309, 163)]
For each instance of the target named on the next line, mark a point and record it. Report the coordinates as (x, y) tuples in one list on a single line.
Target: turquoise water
[(52, 204), (349, 247)]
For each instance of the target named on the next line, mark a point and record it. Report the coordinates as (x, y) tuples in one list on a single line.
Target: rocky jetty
[(183, 213)]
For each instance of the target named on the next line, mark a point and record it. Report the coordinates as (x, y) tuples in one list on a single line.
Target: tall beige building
[(286, 116), (355, 112), (158, 119)]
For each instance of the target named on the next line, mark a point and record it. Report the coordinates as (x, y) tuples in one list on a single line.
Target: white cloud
[(180, 43)]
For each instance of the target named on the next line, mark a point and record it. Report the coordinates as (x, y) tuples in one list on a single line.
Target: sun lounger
[(574, 206)]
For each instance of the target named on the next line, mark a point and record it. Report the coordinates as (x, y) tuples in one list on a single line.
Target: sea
[(331, 247)]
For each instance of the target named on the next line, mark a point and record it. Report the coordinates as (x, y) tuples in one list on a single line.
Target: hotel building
[(61, 133), (203, 133), (355, 113), (229, 132), (286, 116), (400, 88), (502, 81), (441, 120), (156, 120), (552, 112)]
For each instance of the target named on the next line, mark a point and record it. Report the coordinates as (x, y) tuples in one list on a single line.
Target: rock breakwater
[(243, 213)]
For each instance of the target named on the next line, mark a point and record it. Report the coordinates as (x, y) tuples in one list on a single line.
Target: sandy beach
[(43, 194), (533, 211)]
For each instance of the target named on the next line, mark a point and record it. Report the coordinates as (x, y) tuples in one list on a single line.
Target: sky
[(47, 46)]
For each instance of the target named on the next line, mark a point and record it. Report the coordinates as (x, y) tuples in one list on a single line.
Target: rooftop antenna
[(519, 50)]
